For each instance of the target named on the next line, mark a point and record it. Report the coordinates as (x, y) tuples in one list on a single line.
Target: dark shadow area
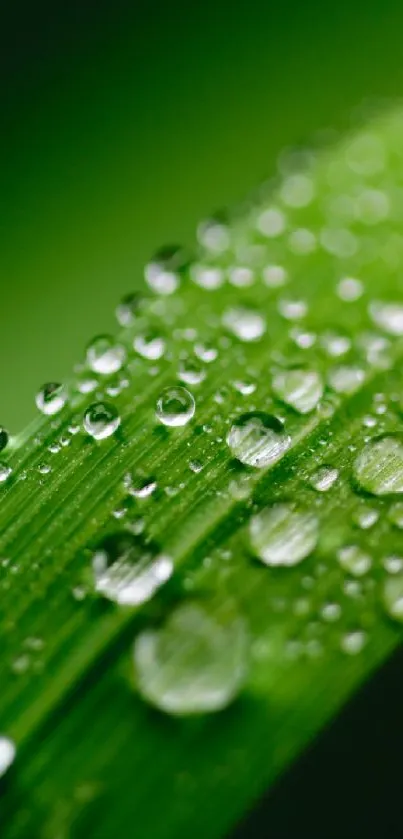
[(348, 784)]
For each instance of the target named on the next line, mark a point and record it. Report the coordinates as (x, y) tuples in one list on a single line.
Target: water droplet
[(5, 471), (104, 356), (150, 345), (297, 191), (271, 222), (7, 753), (245, 324), (240, 276), (51, 398), (164, 271), (393, 564), (378, 469), (395, 514), (324, 478), (274, 276), (302, 241), (196, 663), (365, 517), (331, 612), (335, 344), (353, 642), (387, 316), (258, 439), (195, 466), (129, 308), (338, 241), (127, 570), (244, 388), (101, 420), (205, 352), (209, 277), (393, 597), (354, 560), (372, 206), (292, 309), (139, 486), (3, 438), (350, 289), (175, 407), (299, 388), (346, 379), (191, 372), (366, 155), (214, 235), (283, 534)]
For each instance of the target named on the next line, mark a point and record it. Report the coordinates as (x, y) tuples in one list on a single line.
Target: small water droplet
[(274, 276), (302, 241), (346, 379), (208, 277), (245, 324), (393, 564), (51, 398), (240, 276), (350, 289), (378, 469), (283, 534), (365, 517), (214, 235), (191, 372), (395, 514), (354, 560), (195, 466), (366, 155), (292, 309), (139, 486), (101, 419), (104, 356), (205, 352), (271, 222), (5, 471), (129, 308), (127, 570), (299, 388), (324, 478), (331, 612), (244, 388), (175, 407), (150, 345), (8, 752), (335, 344), (195, 663), (393, 597), (3, 438), (372, 206), (257, 439), (388, 316), (297, 191), (163, 273), (353, 642)]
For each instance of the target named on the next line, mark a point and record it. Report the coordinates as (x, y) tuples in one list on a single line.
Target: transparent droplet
[(3, 438), (195, 663), (209, 277), (393, 564), (5, 471), (240, 276), (104, 356), (345, 379), (129, 309), (245, 324), (205, 352), (257, 439), (395, 514), (191, 372), (245, 388), (365, 517), (101, 419), (271, 222), (292, 309), (335, 344), (163, 273), (387, 316), (51, 398), (195, 466), (349, 289), (378, 469), (175, 407), (8, 752), (214, 235), (353, 642), (299, 388), (354, 560), (274, 276), (393, 597), (283, 534), (129, 571), (331, 612), (324, 478), (150, 345), (138, 485)]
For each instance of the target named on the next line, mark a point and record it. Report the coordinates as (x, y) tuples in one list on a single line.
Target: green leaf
[(200, 537)]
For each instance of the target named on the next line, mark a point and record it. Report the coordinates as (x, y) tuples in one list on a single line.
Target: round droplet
[(196, 663), (7, 753), (214, 235), (331, 612), (349, 289), (3, 438), (163, 273), (292, 309), (271, 222), (258, 439), (104, 356), (209, 277), (346, 379), (51, 398), (378, 469), (388, 316), (129, 571), (129, 308), (274, 276), (245, 324), (175, 406), (5, 471), (354, 560), (324, 478), (150, 345), (101, 420), (395, 514), (299, 388), (205, 352), (393, 597), (138, 485), (353, 642), (283, 534), (191, 372), (297, 190)]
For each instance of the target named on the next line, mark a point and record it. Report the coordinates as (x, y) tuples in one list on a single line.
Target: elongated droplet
[(258, 439), (51, 398), (175, 406), (129, 571), (299, 388), (101, 420), (283, 534), (378, 469), (196, 663)]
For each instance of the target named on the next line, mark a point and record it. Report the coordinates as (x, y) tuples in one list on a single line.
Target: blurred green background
[(124, 124)]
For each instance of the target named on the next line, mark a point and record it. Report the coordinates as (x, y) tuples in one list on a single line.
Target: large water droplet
[(51, 398), (393, 597), (7, 753), (283, 534), (378, 469), (299, 388), (129, 571), (196, 663), (104, 356), (164, 271), (175, 406), (101, 419), (388, 316), (258, 439), (354, 560), (245, 324)]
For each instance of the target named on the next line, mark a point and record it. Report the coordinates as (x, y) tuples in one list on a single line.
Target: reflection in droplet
[(283, 534), (257, 439), (378, 469), (128, 570)]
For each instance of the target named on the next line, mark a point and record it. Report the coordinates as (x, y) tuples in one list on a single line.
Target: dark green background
[(125, 123)]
